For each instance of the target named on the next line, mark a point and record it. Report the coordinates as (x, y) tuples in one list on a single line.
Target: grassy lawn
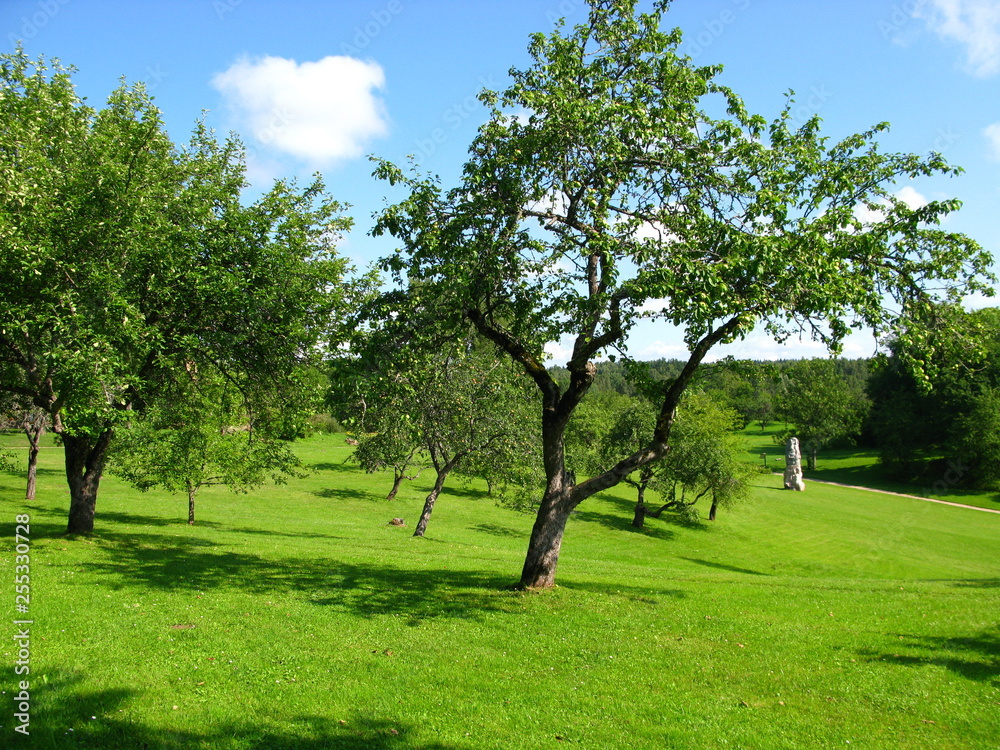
[(295, 617), (861, 468)]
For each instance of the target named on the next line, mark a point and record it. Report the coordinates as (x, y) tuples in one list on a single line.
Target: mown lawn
[(295, 617)]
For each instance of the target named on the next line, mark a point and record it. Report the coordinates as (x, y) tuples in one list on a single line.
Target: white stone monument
[(793, 466)]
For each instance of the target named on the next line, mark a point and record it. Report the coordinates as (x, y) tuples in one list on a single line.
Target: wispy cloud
[(992, 133), (974, 24), (319, 112)]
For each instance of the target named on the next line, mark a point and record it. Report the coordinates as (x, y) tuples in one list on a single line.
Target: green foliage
[(823, 406), (456, 406), (201, 434), (944, 424), (604, 189), (127, 258), (704, 459)]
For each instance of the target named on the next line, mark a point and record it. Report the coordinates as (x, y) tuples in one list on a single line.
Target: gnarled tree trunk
[(85, 458)]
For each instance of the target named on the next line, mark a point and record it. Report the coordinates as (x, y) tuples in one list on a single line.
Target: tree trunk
[(539, 570), (29, 493), (639, 519), (811, 461), (396, 481), (85, 459), (34, 434), (192, 491), (425, 515), (711, 511)]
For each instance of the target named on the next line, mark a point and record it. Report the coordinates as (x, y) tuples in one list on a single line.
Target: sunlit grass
[(296, 617)]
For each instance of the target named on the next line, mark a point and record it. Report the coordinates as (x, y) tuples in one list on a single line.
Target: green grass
[(294, 617), (861, 468)]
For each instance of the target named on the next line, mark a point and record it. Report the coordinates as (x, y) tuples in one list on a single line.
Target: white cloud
[(992, 133), (974, 24), (910, 196), (979, 300), (560, 352), (319, 112)]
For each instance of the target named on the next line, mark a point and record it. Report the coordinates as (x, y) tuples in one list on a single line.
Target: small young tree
[(456, 403), (203, 435), (20, 414)]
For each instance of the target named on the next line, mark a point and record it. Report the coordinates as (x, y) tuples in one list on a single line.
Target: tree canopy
[(608, 187), (125, 257)]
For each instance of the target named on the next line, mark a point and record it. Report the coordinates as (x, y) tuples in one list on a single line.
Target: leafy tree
[(200, 434), (125, 257), (703, 460), (925, 427), (604, 188), (22, 415), (822, 406), (458, 405), (394, 443)]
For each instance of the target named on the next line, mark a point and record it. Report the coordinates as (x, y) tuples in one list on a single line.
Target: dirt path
[(900, 494)]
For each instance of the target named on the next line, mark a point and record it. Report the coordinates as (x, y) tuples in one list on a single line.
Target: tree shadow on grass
[(498, 530), (62, 712), (974, 657), (180, 564), (338, 493), (327, 466), (721, 566), (620, 523)]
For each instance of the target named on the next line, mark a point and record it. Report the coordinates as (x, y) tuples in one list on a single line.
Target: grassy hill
[(295, 617)]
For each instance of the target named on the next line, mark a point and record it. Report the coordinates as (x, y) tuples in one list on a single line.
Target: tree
[(199, 435), (703, 460), (457, 403), (603, 189), (822, 406), (941, 428), (125, 257), (32, 421)]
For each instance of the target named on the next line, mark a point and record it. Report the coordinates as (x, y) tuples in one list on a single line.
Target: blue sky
[(317, 85)]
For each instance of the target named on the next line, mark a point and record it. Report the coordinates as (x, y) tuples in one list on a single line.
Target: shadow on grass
[(63, 719), (641, 594), (974, 657), (980, 583), (337, 493), (498, 530), (327, 466), (620, 523), (721, 566), (182, 564)]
